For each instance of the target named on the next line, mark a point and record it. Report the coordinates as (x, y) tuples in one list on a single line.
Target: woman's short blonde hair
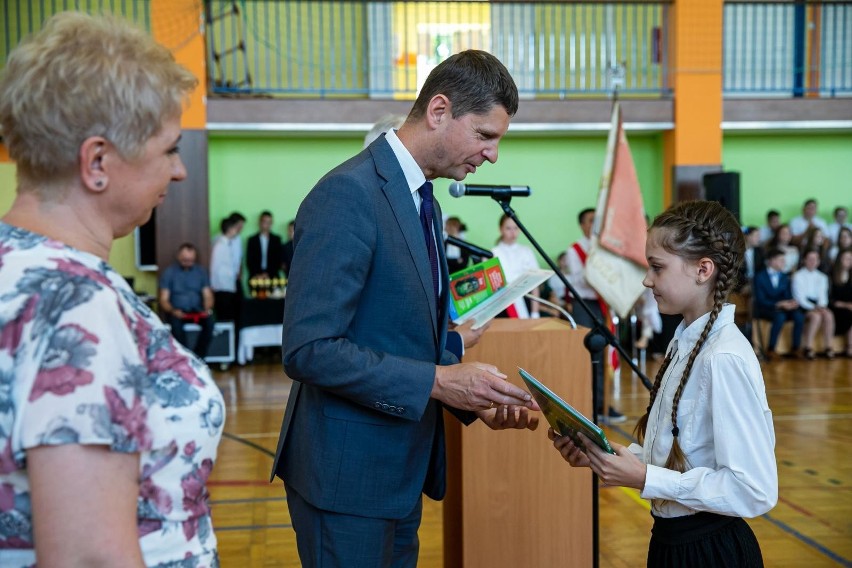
[(84, 76)]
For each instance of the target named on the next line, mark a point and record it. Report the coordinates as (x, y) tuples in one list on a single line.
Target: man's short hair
[(772, 213), (773, 253), (474, 81), (583, 213), (265, 214)]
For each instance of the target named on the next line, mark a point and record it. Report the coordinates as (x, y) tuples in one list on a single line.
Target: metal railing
[(21, 18), (788, 49), (386, 49)]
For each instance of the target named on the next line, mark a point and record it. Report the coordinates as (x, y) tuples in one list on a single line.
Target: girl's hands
[(570, 452)]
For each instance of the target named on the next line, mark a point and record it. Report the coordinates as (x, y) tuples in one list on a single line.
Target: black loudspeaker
[(724, 187)]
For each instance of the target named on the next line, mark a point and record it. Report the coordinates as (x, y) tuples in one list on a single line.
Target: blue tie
[(427, 208)]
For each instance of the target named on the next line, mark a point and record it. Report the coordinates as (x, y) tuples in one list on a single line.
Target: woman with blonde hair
[(109, 427)]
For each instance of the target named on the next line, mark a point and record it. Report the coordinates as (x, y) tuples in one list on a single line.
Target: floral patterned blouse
[(84, 361)]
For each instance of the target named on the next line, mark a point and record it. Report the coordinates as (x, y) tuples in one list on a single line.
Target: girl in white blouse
[(516, 259), (705, 456), (810, 290)]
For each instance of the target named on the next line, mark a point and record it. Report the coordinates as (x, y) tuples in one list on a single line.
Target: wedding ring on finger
[(491, 405)]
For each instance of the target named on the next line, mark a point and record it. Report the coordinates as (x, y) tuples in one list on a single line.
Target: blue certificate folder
[(564, 418)]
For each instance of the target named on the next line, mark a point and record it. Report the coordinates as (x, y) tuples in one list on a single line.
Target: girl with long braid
[(705, 456)]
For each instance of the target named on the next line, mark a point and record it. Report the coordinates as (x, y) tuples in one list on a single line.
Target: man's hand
[(477, 386), (470, 336), (178, 313), (506, 417)]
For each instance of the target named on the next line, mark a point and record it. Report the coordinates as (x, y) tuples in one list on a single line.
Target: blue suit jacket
[(361, 434), (766, 295)]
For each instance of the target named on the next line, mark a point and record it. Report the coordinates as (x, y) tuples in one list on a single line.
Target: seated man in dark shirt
[(186, 296)]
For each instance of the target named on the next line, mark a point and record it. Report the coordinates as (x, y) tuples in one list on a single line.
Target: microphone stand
[(469, 247), (595, 342)]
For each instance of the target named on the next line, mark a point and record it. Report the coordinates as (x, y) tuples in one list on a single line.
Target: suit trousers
[(326, 539)]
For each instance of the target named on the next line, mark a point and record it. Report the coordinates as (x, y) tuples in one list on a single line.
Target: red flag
[(617, 262)]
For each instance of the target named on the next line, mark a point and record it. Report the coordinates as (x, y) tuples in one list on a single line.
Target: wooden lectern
[(511, 498)]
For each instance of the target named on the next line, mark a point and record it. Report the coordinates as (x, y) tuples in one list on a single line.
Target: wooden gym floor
[(810, 527)]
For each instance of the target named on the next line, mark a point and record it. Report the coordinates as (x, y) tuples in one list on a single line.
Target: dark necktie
[(427, 208)]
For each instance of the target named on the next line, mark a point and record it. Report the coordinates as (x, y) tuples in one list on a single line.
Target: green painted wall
[(780, 171), (252, 174), (7, 186)]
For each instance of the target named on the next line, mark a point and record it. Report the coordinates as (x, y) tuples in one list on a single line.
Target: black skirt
[(703, 540)]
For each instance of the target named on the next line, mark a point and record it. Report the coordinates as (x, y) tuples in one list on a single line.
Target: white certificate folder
[(504, 297)]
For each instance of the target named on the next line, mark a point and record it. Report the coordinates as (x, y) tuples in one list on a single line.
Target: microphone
[(457, 189), (469, 247)]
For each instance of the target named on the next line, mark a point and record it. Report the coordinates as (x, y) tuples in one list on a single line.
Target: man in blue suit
[(365, 329), (773, 300)]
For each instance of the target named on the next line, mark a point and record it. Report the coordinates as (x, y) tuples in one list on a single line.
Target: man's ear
[(93, 150), (438, 111)]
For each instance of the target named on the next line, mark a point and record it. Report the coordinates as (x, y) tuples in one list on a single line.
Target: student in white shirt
[(808, 218), (782, 241), (516, 259), (810, 290), (841, 217), (705, 456), (223, 271), (844, 242), (773, 221)]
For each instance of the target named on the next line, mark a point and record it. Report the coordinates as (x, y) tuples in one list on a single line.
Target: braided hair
[(694, 230)]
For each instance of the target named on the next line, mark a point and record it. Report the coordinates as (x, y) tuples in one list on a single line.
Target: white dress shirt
[(264, 246), (577, 270), (833, 231), (516, 259), (236, 245), (414, 176), (223, 276), (749, 263), (810, 288), (798, 225), (725, 428)]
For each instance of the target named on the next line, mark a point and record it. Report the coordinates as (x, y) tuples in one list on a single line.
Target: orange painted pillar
[(178, 25), (694, 146)]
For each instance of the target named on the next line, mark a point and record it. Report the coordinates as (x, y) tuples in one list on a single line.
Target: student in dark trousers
[(773, 301)]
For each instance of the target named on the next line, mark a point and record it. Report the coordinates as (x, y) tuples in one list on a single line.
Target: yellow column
[(695, 49), (178, 25)]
